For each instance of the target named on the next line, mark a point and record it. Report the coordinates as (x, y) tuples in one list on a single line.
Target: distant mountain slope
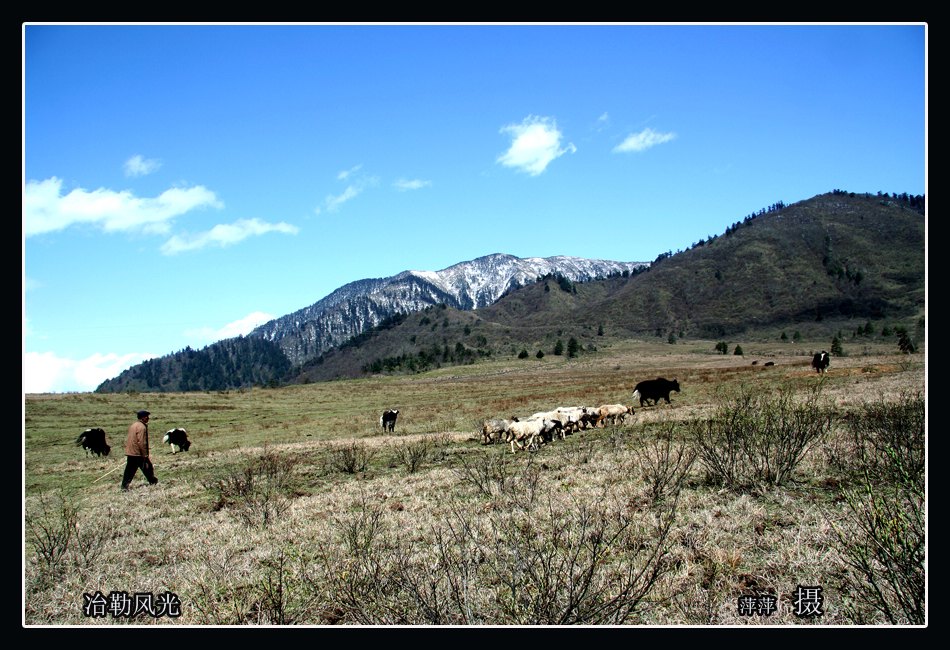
[(832, 256), (360, 305), (348, 312), (231, 363), (809, 265)]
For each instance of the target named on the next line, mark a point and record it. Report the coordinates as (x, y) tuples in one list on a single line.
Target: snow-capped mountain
[(360, 305)]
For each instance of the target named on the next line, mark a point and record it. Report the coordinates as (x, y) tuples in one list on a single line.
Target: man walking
[(136, 452)]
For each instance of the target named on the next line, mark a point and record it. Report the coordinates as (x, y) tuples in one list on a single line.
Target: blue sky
[(185, 183)]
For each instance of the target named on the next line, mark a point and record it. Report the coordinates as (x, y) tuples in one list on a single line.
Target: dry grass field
[(293, 508)]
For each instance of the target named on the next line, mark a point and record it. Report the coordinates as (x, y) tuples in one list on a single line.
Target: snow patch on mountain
[(360, 305)]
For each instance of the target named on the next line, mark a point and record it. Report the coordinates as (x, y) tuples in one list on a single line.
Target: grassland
[(292, 508)]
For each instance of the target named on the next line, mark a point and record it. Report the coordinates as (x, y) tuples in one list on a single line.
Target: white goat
[(493, 430), (524, 434), (613, 413)]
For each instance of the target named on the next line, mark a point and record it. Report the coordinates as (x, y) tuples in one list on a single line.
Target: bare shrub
[(413, 455), (882, 538), (527, 487), (577, 453), (92, 536), (360, 578), (579, 565), (888, 439), (617, 438), (755, 437), (257, 493), (63, 539), (664, 464), (498, 476), (219, 593), (431, 583), (359, 531), (840, 454), (50, 529), (461, 550), (282, 595), (884, 547), (490, 474), (349, 458), (548, 564)]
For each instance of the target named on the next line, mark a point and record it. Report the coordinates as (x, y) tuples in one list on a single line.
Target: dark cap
[(142, 414)]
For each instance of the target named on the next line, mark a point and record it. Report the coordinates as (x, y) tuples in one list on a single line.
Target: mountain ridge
[(816, 265), (274, 348), (360, 305)]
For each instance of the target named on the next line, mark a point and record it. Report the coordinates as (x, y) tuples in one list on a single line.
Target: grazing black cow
[(178, 439), (388, 419), (655, 389), (820, 361), (769, 363), (94, 442)]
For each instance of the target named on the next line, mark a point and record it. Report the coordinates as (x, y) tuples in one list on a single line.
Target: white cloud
[(333, 203), (355, 187), (404, 185), (603, 122), (239, 327), (46, 209), (44, 372), (346, 173), (139, 166), (244, 325), (643, 140), (225, 235), (534, 144)]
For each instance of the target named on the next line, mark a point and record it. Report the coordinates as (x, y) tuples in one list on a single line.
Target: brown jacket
[(136, 443)]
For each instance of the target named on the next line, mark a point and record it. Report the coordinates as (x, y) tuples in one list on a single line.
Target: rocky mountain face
[(360, 305)]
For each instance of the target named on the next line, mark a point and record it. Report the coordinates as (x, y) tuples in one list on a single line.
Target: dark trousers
[(135, 463)]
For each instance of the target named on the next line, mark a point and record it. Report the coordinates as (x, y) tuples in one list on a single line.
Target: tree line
[(232, 363)]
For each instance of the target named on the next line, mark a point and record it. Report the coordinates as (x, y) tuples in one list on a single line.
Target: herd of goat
[(544, 426)]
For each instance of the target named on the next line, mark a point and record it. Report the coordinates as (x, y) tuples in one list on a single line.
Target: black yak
[(655, 389), (94, 442), (820, 361), (177, 439), (388, 419)]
